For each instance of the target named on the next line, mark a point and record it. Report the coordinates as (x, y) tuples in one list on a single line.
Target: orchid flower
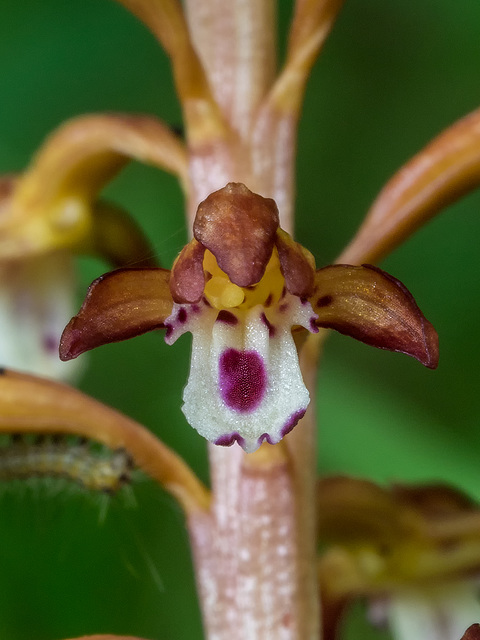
[(51, 213), (412, 551), (256, 305), (240, 287)]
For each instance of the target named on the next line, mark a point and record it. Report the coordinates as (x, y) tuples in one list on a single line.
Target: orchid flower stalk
[(253, 299)]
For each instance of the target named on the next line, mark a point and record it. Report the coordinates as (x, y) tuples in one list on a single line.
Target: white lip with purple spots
[(245, 383)]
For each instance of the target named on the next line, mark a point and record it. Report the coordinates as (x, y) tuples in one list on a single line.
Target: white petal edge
[(285, 397)]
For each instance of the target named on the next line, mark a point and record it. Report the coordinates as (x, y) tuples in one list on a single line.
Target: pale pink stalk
[(254, 552)]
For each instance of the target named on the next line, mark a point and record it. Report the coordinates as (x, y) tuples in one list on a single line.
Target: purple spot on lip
[(268, 324), (229, 438), (243, 379), (182, 316), (283, 307), (269, 300), (227, 317), (169, 330), (292, 421)]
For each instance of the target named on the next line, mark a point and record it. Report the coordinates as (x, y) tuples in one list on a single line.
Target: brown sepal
[(238, 227), (472, 633), (119, 305), (187, 279), (297, 269), (372, 306)]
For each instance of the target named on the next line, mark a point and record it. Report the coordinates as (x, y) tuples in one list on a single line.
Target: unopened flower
[(240, 287)]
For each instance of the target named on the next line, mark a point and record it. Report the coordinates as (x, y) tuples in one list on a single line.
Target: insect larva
[(59, 456)]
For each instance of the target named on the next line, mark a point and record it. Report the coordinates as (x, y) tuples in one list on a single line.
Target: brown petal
[(297, 265), (444, 171), (472, 633), (119, 305), (187, 279), (371, 306), (239, 228)]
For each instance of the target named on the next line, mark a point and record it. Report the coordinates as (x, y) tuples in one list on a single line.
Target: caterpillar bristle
[(84, 462)]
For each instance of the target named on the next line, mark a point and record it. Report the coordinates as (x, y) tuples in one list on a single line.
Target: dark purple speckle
[(243, 379), (284, 292), (283, 307), (169, 330), (269, 300), (292, 421), (324, 301), (182, 315), (268, 324), (227, 317), (229, 438)]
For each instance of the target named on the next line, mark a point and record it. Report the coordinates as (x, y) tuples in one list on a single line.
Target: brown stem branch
[(34, 405)]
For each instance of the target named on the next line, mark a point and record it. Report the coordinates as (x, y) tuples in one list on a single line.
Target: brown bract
[(119, 305), (239, 228)]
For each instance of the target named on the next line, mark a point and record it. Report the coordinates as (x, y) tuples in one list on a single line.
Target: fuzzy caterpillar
[(60, 456)]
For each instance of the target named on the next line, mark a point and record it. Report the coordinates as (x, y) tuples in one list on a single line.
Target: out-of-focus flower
[(412, 551), (240, 287), (51, 212)]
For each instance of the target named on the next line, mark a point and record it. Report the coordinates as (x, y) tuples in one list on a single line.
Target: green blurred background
[(392, 75)]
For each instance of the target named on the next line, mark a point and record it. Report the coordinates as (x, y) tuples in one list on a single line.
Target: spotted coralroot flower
[(52, 212), (241, 286), (413, 551)]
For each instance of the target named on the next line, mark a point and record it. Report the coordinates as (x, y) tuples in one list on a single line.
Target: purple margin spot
[(169, 330), (227, 317), (182, 315), (243, 379), (313, 325), (292, 421), (229, 438), (268, 324), (265, 437)]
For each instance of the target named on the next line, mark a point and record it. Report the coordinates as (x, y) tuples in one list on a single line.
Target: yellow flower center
[(221, 293)]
